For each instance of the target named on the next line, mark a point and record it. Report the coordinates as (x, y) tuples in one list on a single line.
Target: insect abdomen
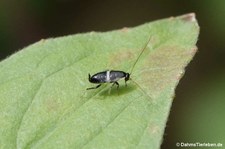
[(99, 77)]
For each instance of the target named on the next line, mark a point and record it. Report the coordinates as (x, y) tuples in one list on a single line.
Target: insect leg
[(125, 83), (94, 87), (117, 87), (113, 85), (116, 84)]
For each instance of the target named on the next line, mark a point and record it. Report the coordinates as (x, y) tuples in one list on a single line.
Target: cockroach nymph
[(112, 76)]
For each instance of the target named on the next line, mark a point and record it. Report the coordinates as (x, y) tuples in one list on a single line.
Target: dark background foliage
[(199, 105)]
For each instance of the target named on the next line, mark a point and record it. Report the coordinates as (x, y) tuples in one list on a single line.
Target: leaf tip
[(190, 17)]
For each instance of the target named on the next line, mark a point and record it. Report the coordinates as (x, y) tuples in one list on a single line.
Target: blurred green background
[(198, 111)]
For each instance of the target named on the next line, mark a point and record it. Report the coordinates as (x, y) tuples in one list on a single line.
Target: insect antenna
[(141, 88), (143, 49)]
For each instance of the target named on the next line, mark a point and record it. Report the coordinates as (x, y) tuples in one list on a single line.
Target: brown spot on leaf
[(171, 18), (125, 29), (154, 129), (194, 50), (188, 17), (51, 105), (162, 68), (117, 58), (42, 41)]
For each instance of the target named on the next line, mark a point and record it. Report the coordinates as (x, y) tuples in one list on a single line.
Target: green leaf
[(44, 102)]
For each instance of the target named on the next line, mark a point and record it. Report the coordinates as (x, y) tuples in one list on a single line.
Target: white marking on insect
[(108, 76)]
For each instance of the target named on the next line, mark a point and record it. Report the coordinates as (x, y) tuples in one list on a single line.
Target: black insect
[(112, 76)]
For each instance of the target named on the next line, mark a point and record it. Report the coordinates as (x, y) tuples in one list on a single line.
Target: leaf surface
[(44, 102)]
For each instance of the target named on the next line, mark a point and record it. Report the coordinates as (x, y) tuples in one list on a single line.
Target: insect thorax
[(115, 75)]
